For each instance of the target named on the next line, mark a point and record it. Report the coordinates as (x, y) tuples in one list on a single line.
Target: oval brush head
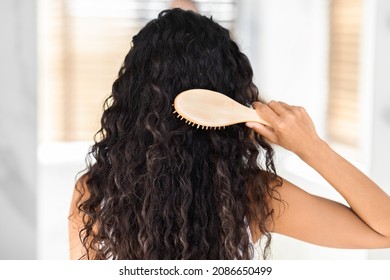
[(210, 109)]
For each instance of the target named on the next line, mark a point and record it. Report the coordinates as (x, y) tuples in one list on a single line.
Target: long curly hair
[(157, 188)]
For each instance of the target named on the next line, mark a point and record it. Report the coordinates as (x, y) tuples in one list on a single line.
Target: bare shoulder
[(286, 204), (75, 219), (80, 193)]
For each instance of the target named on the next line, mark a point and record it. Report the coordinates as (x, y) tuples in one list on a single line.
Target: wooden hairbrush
[(209, 109)]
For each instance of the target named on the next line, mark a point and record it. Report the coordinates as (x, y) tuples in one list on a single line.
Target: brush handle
[(246, 114)]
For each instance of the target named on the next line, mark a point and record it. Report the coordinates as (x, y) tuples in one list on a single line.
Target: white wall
[(18, 90)]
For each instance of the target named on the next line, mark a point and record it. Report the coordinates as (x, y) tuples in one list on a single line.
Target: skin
[(75, 224), (184, 5), (364, 224)]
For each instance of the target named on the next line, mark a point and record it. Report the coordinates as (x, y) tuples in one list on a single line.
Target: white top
[(257, 252)]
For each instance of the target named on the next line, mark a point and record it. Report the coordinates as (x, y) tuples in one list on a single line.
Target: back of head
[(159, 188)]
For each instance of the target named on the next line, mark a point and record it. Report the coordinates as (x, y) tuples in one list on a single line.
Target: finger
[(266, 113), (290, 107), (278, 107), (294, 109), (263, 130), (284, 104)]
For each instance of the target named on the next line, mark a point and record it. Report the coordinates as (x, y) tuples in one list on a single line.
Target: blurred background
[(59, 59)]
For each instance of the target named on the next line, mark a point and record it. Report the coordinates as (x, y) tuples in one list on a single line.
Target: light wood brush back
[(209, 109)]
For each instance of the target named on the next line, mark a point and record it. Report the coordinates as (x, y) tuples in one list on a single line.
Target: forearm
[(365, 198)]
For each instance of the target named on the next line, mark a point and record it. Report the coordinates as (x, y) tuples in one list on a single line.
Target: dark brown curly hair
[(157, 188)]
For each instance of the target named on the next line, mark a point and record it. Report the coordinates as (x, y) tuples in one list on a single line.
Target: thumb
[(263, 130)]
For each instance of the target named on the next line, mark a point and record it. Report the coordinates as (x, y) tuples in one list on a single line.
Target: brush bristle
[(198, 126)]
